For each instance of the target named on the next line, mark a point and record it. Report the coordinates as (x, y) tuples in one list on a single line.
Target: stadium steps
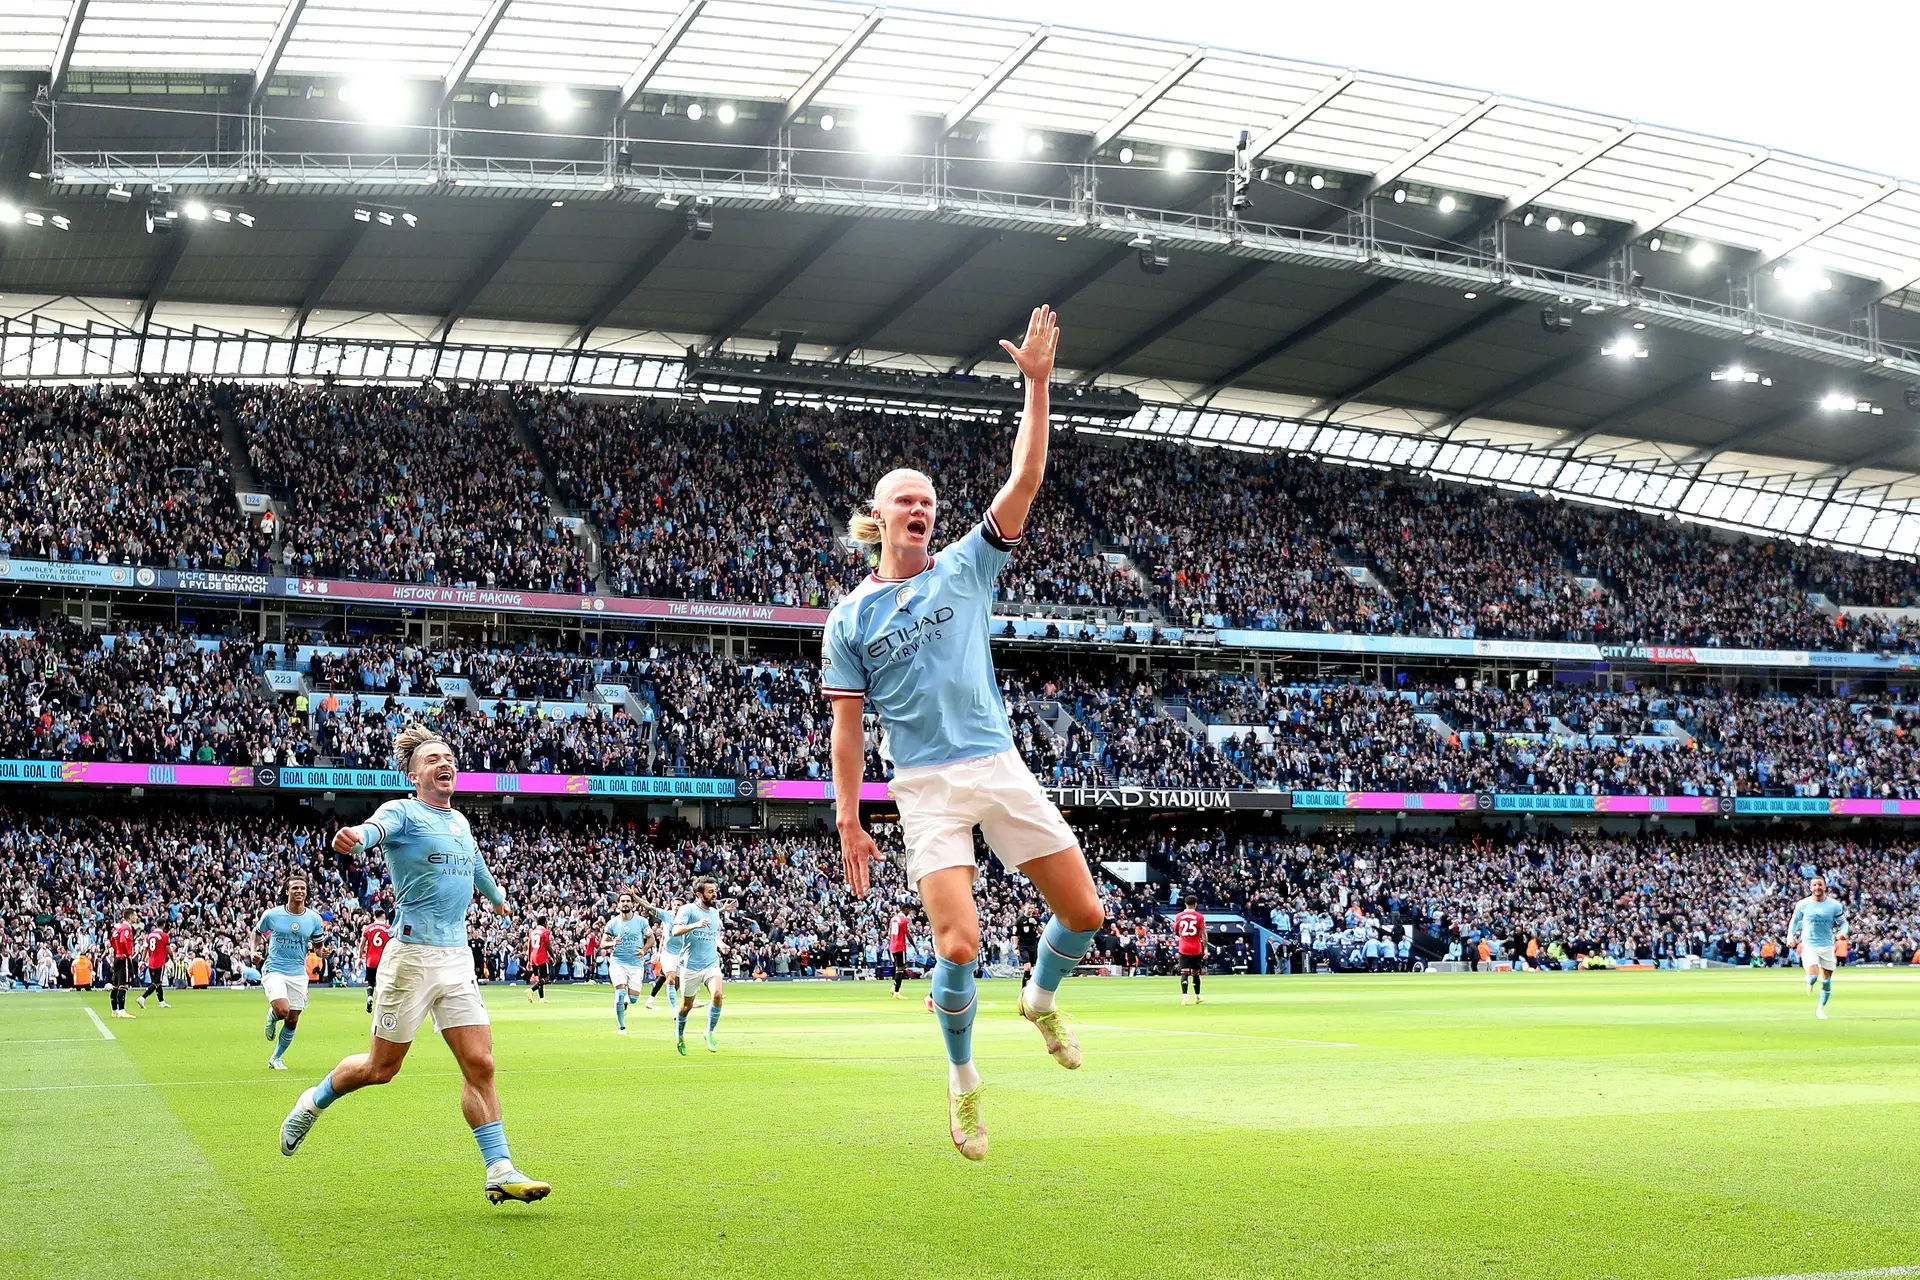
[(245, 480), (824, 491), (561, 510)]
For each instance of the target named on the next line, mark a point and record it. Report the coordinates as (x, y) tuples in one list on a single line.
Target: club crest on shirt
[(903, 597)]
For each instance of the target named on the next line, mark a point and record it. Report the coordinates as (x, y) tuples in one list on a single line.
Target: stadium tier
[(209, 873), (644, 708), (645, 500)]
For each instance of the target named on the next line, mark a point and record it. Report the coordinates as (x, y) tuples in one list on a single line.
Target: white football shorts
[(291, 987), (940, 805), (418, 981), (1817, 957), (631, 976)]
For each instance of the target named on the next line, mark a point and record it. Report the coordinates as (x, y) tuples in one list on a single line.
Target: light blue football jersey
[(629, 937), (671, 945), (701, 949), (1815, 922), (917, 649), (435, 867), (287, 936)]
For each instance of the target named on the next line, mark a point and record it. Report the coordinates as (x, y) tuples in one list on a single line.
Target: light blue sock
[(713, 1017), (1061, 948), (620, 1008), (286, 1038), (680, 1022), (1811, 979), (493, 1143), (1826, 990), (324, 1093), (953, 1005)]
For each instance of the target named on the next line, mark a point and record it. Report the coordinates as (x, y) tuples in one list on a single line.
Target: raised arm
[(1034, 359)]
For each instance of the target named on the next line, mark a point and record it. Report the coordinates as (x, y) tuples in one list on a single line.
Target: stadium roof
[(1381, 299)]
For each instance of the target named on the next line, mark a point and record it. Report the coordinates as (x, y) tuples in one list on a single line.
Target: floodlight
[(1316, 182), (695, 111), (827, 123), (1034, 143), (1701, 255), (1654, 244), (726, 113), (1126, 155), (493, 99), (885, 131), (1399, 195), (1578, 228), (557, 102), (1006, 140), (1289, 177), (1553, 222), (195, 210), (1176, 161), (1448, 204)]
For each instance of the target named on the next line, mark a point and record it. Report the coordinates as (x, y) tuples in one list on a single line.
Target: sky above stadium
[(1829, 81)]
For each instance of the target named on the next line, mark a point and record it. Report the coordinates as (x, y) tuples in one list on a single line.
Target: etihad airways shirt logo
[(903, 642)]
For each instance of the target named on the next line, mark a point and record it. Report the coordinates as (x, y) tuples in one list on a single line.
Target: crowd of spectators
[(696, 504), (120, 476), (206, 873), (1058, 561), (1651, 898), (398, 484), (163, 696), (738, 503)]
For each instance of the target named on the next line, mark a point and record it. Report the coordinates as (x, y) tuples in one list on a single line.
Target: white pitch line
[(55, 1040), (98, 1025), (1843, 1275), (1223, 1035)]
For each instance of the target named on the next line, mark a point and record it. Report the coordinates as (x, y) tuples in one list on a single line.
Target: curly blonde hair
[(409, 740)]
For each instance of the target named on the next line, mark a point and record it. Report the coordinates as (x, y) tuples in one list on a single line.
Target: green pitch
[(1504, 1125)]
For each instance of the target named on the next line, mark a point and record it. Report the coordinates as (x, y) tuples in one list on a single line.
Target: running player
[(913, 638), (1190, 940), (897, 936), (374, 937), (666, 957), (284, 975), (539, 954), (698, 925), (1817, 920), (120, 945), (624, 938), (158, 948), (434, 867)]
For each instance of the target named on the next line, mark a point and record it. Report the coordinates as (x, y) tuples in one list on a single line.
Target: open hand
[(1034, 357), (857, 850)]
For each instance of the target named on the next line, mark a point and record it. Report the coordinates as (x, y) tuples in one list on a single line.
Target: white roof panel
[(760, 50), (1881, 243), (408, 37), (30, 33), (1375, 122), (1077, 82), (589, 43), (1646, 173), (1785, 195), (176, 35), (1511, 148), (1226, 93), (925, 63)]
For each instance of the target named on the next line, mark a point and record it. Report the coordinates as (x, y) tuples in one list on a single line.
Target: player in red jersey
[(897, 934), (539, 956), (120, 947), (158, 948), (1190, 933), (374, 938)]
